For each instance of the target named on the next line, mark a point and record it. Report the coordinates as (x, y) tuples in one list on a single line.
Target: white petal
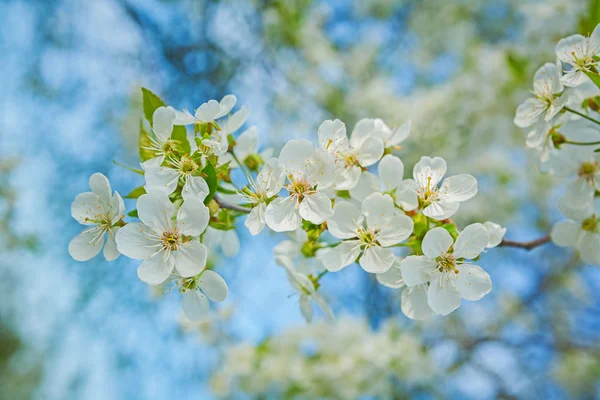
[(255, 222), (565, 233), (195, 188), (589, 247), (362, 130), (574, 78), (442, 296), (459, 188), (377, 260), (155, 210), (395, 230), (235, 121), (391, 172), (117, 208), (417, 270), (327, 311), (87, 208), (579, 194), (282, 215), (208, 111), (295, 155), (162, 123), (155, 270), (473, 282), (529, 112), (111, 252), (213, 285), (429, 171), (471, 241), (340, 256), (367, 184), (441, 209), (345, 220), (160, 179), (101, 187), (331, 131), (183, 117), (192, 217), (407, 198), (594, 41), (370, 151), (138, 241), (195, 305), (271, 177), (230, 245), (400, 134), (246, 143), (226, 105), (496, 233), (83, 247), (190, 258), (306, 308), (571, 47), (378, 208), (392, 278), (414, 303), (346, 178), (316, 208), (320, 169), (436, 242)]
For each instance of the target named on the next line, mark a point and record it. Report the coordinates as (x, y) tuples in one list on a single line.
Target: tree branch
[(234, 207), (526, 245)]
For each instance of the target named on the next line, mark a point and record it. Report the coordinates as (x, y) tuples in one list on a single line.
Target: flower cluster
[(565, 129), (345, 360), (344, 199)]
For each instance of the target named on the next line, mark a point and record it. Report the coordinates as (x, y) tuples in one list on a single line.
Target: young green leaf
[(150, 102), (180, 134), (144, 144), (594, 77), (210, 176), (133, 213), (137, 171), (135, 193)]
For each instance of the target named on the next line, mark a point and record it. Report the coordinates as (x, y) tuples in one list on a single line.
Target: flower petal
[(316, 208), (496, 233), (190, 258), (155, 210), (367, 184), (160, 179), (101, 187), (370, 151), (85, 246), (195, 305), (87, 208), (471, 241), (230, 244), (246, 143), (111, 252), (441, 209), (255, 222), (162, 122), (400, 134), (331, 131), (325, 308), (378, 208), (226, 105), (589, 247), (392, 278), (195, 188), (417, 269), (414, 303), (340, 256), (345, 220), (306, 308), (155, 270), (377, 260), (138, 241), (459, 188), (395, 230), (282, 215), (271, 177), (295, 155), (213, 285), (391, 172), (442, 296), (192, 217), (473, 282), (565, 233), (429, 171), (436, 242)]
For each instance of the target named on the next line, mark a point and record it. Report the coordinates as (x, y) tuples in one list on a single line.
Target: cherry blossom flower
[(370, 241), (208, 112), (268, 183), (100, 210), (351, 156), (443, 202), (293, 252), (496, 233), (164, 179), (164, 244), (444, 266), (246, 150), (581, 231), (196, 291), (308, 294), (581, 53), (309, 173), (391, 137)]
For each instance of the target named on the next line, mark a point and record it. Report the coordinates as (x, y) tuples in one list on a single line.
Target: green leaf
[(133, 213), (137, 171), (150, 102), (221, 189), (591, 18), (135, 193), (210, 176), (594, 77), (180, 134), (144, 143)]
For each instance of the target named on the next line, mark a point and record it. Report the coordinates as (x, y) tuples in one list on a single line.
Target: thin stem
[(234, 207), (242, 167), (582, 143), (325, 246), (321, 275), (526, 245), (569, 109)]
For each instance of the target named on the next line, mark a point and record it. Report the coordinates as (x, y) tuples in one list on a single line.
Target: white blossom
[(290, 252), (268, 184), (580, 231), (164, 244), (246, 150), (100, 210), (444, 266), (443, 202), (370, 240), (581, 54), (309, 173), (227, 241), (208, 112), (308, 294), (195, 291), (496, 233), (164, 179)]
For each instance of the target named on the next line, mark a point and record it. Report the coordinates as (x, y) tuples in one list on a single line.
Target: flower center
[(299, 188), (428, 194), (447, 263), (186, 284), (367, 236), (171, 240), (587, 170), (590, 224), (187, 165)]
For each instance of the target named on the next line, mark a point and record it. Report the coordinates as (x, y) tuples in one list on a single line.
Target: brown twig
[(234, 207), (526, 245)]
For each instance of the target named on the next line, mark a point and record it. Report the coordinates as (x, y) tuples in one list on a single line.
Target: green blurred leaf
[(594, 77), (210, 176), (150, 102), (180, 134), (591, 18), (135, 193), (137, 171), (133, 213), (144, 144)]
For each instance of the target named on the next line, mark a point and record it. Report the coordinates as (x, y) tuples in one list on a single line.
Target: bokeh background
[(70, 104)]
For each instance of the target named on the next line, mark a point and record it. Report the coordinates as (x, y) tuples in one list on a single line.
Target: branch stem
[(569, 109), (234, 207), (525, 245)]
